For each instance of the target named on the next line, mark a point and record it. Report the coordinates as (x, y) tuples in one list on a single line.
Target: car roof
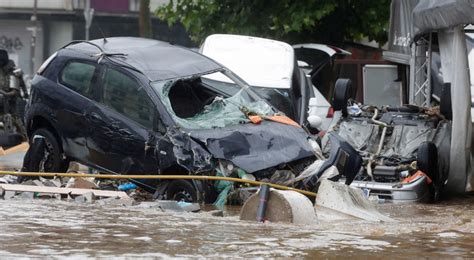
[(260, 62), (157, 60)]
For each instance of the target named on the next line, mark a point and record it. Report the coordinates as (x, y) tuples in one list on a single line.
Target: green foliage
[(331, 21)]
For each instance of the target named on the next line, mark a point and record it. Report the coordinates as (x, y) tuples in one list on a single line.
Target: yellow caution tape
[(160, 177)]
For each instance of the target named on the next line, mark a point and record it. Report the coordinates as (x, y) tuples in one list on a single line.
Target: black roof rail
[(82, 41)]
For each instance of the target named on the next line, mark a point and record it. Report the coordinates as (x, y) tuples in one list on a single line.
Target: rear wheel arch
[(38, 122)]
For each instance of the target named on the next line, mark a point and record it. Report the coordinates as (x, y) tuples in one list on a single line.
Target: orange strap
[(415, 176), (255, 119), (283, 120)]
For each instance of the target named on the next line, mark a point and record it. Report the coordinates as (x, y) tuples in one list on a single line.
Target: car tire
[(342, 90), (45, 154), (181, 190), (427, 162)]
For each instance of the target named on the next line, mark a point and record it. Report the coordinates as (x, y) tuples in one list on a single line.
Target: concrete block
[(216, 213), (30, 182), (189, 207), (336, 199), (169, 205), (117, 201), (56, 182), (27, 195), (47, 182), (38, 183), (88, 197), (282, 206), (9, 194)]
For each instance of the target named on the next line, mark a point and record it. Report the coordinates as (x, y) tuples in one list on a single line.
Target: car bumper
[(415, 191)]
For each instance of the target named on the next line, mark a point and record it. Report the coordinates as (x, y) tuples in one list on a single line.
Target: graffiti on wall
[(10, 44)]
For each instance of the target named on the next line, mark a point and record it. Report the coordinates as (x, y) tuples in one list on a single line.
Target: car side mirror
[(313, 119)]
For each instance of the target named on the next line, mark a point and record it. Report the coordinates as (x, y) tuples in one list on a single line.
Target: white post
[(88, 15), (34, 31), (453, 51)]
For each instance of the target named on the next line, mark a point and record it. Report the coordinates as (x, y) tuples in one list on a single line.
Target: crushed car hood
[(256, 147)]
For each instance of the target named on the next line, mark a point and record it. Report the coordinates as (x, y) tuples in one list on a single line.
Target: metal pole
[(88, 15), (428, 72), (34, 31), (411, 88)]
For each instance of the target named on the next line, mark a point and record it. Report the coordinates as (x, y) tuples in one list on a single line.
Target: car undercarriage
[(405, 150)]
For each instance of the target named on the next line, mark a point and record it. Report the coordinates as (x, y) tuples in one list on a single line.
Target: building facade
[(61, 21)]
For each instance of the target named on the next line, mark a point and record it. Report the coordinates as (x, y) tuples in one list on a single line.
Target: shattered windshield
[(210, 101)]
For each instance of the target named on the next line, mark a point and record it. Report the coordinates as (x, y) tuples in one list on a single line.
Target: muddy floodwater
[(53, 228)]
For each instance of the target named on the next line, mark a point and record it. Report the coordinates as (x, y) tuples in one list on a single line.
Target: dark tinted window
[(78, 77), (124, 95), (279, 98)]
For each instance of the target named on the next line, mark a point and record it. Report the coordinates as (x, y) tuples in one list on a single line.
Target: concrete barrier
[(283, 206), (336, 199)]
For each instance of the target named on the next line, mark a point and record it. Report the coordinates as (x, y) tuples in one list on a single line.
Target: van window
[(124, 95), (77, 76)]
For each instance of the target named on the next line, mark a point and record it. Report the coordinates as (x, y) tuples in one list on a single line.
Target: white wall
[(60, 33), (135, 4), (42, 4), (16, 39)]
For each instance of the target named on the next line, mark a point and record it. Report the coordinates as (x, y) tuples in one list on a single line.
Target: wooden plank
[(55, 190)]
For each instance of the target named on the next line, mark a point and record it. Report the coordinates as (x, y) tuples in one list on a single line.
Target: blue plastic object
[(127, 186)]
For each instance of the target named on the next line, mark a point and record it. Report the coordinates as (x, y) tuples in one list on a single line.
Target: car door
[(77, 90), (301, 92), (121, 125)]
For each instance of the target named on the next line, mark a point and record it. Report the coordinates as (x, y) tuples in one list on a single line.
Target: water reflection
[(52, 228), (60, 228)]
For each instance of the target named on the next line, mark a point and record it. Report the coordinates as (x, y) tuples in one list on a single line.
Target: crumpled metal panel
[(362, 136), (256, 147), (405, 140), (401, 142), (186, 152)]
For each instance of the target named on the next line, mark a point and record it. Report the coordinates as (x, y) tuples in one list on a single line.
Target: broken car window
[(279, 98), (124, 95), (77, 76), (202, 103)]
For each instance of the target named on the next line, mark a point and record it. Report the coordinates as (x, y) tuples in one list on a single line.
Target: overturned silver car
[(405, 149)]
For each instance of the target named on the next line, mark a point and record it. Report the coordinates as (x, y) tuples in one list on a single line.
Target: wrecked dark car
[(405, 149), (160, 109)]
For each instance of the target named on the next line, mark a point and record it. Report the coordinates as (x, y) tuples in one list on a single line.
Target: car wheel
[(45, 154), (181, 190), (342, 90), (427, 162)]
